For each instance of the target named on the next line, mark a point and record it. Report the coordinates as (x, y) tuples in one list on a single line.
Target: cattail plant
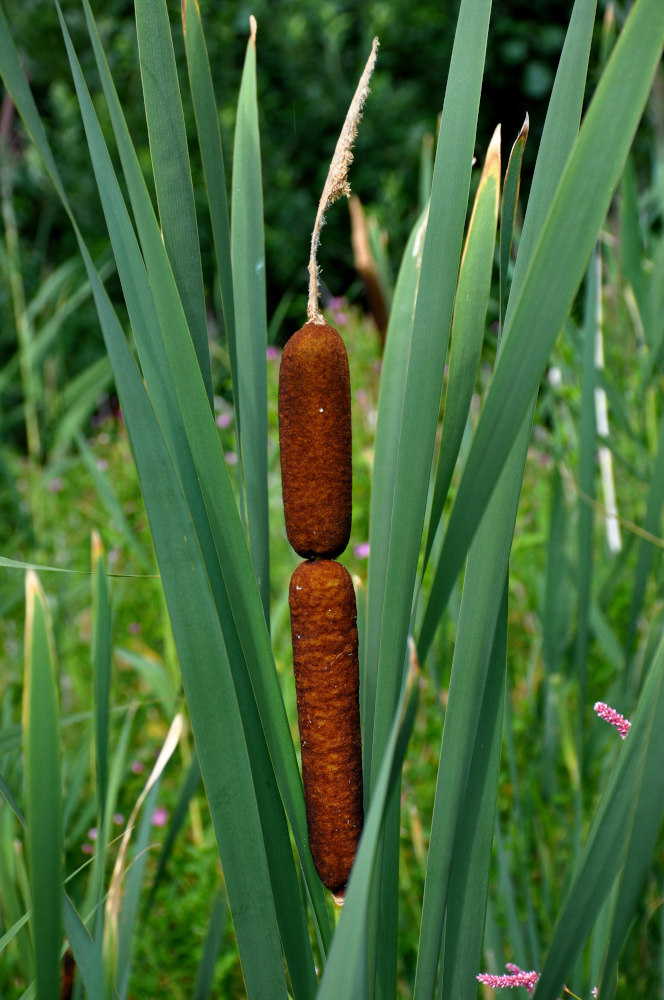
[(316, 471), (212, 545)]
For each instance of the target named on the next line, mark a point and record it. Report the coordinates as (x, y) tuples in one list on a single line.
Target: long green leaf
[(345, 973), (508, 207), (43, 789), (472, 299), (172, 173), (469, 881), (568, 235), (398, 344), (248, 255), (209, 140)]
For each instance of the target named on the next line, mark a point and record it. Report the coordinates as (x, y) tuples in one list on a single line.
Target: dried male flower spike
[(325, 660), (315, 441)]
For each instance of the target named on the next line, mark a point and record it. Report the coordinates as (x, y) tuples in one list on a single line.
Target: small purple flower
[(137, 766), (55, 485), (102, 464), (92, 833), (118, 819), (224, 419), (87, 848), (134, 628), (622, 724), (362, 550), (272, 353), (159, 817), (231, 458)]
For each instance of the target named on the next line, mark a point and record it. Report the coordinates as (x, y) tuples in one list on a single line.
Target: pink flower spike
[(622, 724), (595, 992), (516, 977)]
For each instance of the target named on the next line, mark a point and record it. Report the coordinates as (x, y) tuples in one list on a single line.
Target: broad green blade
[(508, 207), (172, 173), (101, 666), (469, 881), (398, 344), (248, 255), (346, 969), (545, 296), (472, 299), (209, 140), (43, 789), (391, 591), (635, 792)]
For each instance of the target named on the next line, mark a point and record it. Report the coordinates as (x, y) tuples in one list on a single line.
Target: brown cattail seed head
[(325, 659), (315, 441)]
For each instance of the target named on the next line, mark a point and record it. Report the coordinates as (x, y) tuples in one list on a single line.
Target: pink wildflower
[(516, 977), (362, 550), (159, 816), (610, 715)]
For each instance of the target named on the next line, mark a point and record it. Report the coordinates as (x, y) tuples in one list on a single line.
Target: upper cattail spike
[(337, 178)]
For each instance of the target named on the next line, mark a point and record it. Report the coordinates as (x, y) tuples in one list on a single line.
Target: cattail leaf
[(345, 973), (545, 295), (472, 299), (212, 157), (248, 255), (621, 838), (471, 863), (390, 604), (43, 789), (390, 406), (508, 207), (172, 173)]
